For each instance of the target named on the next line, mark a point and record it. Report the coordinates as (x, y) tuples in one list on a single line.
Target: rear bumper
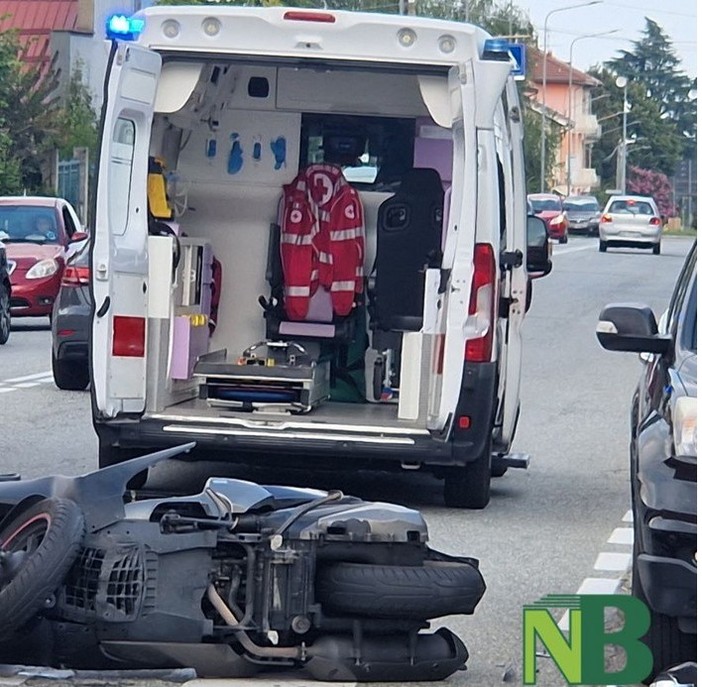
[(644, 239), (293, 443)]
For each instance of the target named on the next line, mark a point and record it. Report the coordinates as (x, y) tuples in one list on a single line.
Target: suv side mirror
[(625, 327), (78, 236), (538, 262)]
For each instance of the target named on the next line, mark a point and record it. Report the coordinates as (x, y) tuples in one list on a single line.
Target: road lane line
[(615, 562), (628, 516), (574, 249), (26, 377), (622, 535), (27, 385), (4, 390)]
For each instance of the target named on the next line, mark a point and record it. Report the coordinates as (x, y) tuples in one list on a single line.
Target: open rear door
[(119, 252), (514, 284)]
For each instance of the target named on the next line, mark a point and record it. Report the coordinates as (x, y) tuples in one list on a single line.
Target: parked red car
[(549, 207), (37, 233)]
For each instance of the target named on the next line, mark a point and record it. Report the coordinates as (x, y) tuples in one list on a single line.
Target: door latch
[(511, 259)]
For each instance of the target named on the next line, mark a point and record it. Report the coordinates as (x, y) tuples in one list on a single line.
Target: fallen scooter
[(233, 580)]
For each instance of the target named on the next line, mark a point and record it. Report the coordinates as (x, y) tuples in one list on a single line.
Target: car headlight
[(685, 426), (43, 268), (558, 219)]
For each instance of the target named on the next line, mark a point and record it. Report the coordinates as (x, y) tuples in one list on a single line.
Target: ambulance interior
[(227, 137)]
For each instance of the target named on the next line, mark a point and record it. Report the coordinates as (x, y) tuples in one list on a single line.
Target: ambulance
[(310, 244)]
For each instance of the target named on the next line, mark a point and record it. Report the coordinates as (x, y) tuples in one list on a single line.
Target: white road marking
[(25, 382), (618, 562), (285, 680), (574, 249), (27, 377), (628, 516), (622, 535)]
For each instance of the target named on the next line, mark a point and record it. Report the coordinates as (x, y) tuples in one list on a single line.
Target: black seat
[(410, 225)]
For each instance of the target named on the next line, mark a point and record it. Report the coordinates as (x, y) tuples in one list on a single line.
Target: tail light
[(129, 336), (655, 221), (481, 307), (76, 276), (323, 17), (606, 217)]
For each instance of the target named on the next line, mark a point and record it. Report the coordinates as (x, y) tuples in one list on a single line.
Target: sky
[(678, 19)]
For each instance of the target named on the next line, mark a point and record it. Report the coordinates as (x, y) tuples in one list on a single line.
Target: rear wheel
[(657, 249), (37, 549), (431, 590), (4, 314), (70, 375), (603, 246), (468, 486)]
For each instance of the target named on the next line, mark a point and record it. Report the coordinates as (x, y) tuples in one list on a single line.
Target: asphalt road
[(544, 527)]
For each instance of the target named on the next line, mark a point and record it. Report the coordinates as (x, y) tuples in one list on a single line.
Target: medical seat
[(410, 226)]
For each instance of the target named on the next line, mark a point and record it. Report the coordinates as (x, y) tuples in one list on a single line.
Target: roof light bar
[(122, 27)]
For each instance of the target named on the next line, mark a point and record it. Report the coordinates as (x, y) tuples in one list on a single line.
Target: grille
[(81, 588), (108, 585), (125, 583)]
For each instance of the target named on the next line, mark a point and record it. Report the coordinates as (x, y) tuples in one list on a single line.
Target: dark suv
[(664, 463), (5, 293)]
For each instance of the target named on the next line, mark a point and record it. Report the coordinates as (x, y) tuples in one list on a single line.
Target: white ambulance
[(310, 245)]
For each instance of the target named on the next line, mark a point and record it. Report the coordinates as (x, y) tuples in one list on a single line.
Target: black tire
[(5, 320), (657, 249), (468, 486), (50, 533), (603, 246), (70, 375), (436, 589), (669, 646)]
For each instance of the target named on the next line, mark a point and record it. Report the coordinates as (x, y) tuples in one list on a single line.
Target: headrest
[(421, 181)]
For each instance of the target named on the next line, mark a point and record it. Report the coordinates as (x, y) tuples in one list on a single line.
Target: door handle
[(102, 310)]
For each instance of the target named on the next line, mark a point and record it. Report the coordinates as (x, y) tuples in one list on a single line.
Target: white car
[(632, 221)]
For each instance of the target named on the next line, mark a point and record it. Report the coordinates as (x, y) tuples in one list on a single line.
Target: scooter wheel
[(37, 549), (432, 590)]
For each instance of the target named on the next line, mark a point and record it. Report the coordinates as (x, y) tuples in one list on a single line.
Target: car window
[(581, 205), (680, 290), (28, 224), (689, 332), (631, 207), (546, 204)]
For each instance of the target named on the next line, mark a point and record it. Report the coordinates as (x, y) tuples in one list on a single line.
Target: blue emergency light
[(122, 27)]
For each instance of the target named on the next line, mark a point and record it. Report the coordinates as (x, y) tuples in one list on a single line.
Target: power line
[(648, 9)]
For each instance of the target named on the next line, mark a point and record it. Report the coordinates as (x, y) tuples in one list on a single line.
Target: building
[(68, 33), (567, 100)]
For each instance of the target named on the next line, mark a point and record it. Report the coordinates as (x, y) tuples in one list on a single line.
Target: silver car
[(632, 221)]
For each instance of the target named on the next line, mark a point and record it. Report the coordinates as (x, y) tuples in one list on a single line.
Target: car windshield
[(632, 207), (546, 204), (580, 206), (28, 224)]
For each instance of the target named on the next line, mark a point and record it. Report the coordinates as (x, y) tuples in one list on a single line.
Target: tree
[(653, 65), (27, 128), (645, 182), (76, 120), (654, 141)]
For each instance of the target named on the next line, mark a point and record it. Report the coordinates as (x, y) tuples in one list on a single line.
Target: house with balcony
[(567, 99)]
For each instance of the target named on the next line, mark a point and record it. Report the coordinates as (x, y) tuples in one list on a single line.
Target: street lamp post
[(623, 82), (570, 94), (543, 84)]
